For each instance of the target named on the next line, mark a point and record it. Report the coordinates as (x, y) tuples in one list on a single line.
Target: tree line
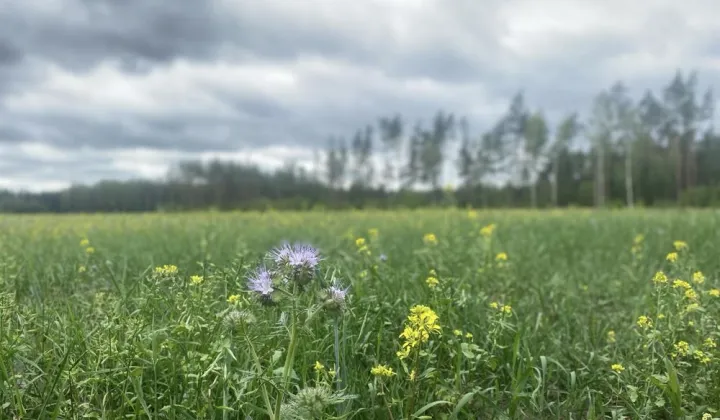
[(660, 150)]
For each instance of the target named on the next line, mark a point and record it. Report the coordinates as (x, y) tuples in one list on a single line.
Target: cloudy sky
[(99, 89)]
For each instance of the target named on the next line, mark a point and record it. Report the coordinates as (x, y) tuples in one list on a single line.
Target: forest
[(659, 150)]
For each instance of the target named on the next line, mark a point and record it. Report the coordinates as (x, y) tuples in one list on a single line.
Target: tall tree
[(566, 132), (413, 168), (391, 132), (600, 130), (623, 134), (433, 148), (536, 138)]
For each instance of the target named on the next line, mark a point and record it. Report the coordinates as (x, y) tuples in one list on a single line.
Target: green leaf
[(463, 401), (428, 406)]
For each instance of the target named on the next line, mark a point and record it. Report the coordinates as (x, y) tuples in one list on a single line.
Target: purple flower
[(281, 254), (261, 282), (337, 294), (303, 256), (383, 257)]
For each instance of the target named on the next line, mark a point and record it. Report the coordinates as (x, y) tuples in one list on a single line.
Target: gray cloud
[(93, 78)]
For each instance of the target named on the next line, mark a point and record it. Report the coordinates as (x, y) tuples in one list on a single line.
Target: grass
[(90, 327)]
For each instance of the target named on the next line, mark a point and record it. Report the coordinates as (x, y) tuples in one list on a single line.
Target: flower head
[(501, 256), (304, 256), (672, 257), (430, 239), (318, 367), (698, 277), (488, 230), (617, 367), (680, 245), (260, 282), (611, 336), (196, 280), (432, 282), (644, 322), (382, 371), (714, 292), (660, 277)]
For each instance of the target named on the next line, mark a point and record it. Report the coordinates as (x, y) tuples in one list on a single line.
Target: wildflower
[(698, 277), (660, 277), (304, 256), (82, 269), (421, 323), (611, 336), (494, 305), (701, 357), (506, 309), (501, 256), (709, 343), (196, 280), (472, 214), (682, 348), (90, 250), (690, 294), (681, 284), (432, 282), (457, 333), (661, 316), (360, 242), (412, 375), (639, 238), (335, 300), (488, 230), (319, 367), (714, 292), (707, 416), (432, 272), (233, 299), (680, 245), (672, 257), (166, 270), (617, 367), (260, 282), (373, 233), (382, 370), (382, 257), (692, 307), (281, 255), (430, 239), (363, 274), (644, 322), (84, 243), (468, 335)]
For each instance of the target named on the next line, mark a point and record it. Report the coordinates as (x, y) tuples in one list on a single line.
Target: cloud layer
[(97, 89)]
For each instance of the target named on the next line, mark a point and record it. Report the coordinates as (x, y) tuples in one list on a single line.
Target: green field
[(93, 326)]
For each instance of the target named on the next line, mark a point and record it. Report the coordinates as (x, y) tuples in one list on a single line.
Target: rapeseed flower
[(709, 343), (698, 277), (432, 282), (318, 367), (672, 257), (501, 256), (488, 230), (233, 299), (714, 292), (382, 371), (682, 348), (617, 367), (611, 336), (680, 245), (421, 323), (660, 277), (166, 270), (196, 280), (430, 239), (644, 322), (681, 284)]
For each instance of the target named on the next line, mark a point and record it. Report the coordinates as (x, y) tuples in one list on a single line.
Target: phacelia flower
[(260, 282), (304, 256), (335, 297)]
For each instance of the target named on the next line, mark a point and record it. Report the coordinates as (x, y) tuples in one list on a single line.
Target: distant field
[(558, 314)]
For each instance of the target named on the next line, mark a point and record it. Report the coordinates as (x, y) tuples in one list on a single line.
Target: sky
[(123, 89)]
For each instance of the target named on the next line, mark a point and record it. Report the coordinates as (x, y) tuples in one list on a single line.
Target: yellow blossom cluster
[(505, 309), (166, 270), (421, 323), (362, 247), (430, 239), (382, 371), (487, 231)]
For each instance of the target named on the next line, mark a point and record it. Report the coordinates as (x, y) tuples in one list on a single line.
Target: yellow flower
[(681, 284), (432, 272), (690, 294), (373, 233), (661, 316), (709, 343), (644, 322), (82, 269), (680, 245), (701, 357), (363, 274), (90, 250), (360, 242), (698, 277), (196, 280), (412, 375), (501, 256), (421, 323), (233, 298), (318, 367), (707, 416), (672, 257), (166, 270), (639, 238), (488, 230), (430, 239), (660, 277), (457, 333), (382, 370), (617, 367), (682, 348), (692, 307), (494, 305), (714, 292), (506, 309), (468, 335), (432, 282), (84, 243), (611, 336)]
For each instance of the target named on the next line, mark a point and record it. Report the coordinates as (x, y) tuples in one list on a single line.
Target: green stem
[(259, 367), (289, 358)]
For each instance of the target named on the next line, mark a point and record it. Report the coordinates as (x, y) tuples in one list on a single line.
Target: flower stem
[(289, 358)]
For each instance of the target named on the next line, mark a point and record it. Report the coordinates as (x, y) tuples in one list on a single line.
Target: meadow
[(442, 314)]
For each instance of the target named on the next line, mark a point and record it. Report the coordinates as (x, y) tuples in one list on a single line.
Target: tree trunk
[(554, 183), (678, 168), (600, 178), (629, 178)]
